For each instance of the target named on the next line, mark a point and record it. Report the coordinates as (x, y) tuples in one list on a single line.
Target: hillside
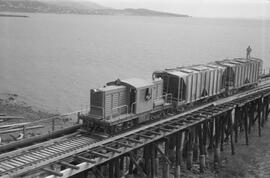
[(73, 7), (79, 4)]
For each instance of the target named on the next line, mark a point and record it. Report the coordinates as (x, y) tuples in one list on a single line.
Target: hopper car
[(123, 104)]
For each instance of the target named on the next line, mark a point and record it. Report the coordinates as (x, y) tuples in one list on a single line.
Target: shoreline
[(19, 112), (13, 15)]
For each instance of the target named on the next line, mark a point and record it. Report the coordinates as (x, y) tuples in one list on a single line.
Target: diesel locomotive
[(123, 104)]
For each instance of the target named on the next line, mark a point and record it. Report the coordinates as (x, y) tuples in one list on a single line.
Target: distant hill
[(74, 7), (79, 4)]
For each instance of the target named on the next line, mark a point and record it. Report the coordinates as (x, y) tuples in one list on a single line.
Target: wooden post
[(267, 108), (183, 136), (78, 117), (156, 164), (117, 168), (153, 163), (259, 116), (147, 159), (178, 152), (53, 124), (190, 150), (217, 151), (122, 166), (230, 126), (240, 119), (166, 166), (130, 169), (24, 132), (201, 146), (251, 115), (231, 132), (246, 122), (263, 111), (211, 136), (172, 141), (248, 110), (97, 171), (196, 145), (222, 118), (111, 169), (237, 118), (205, 132), (86, 173)]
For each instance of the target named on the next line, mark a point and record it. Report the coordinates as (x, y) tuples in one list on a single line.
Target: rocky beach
[(18, 112)]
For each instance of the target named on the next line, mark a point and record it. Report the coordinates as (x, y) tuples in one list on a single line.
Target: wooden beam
[(53, 172), (98, 154), (68, 165), (14, 125), (134, 140), (172, 126), (96, 171), (122, 144), (153, 132), (85, 159), (162, 154), (164, 129), (11, 117), (21, 129), (111, 149), (144, 136), (133, 160)]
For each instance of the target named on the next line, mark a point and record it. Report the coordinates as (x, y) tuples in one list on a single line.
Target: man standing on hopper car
[(248, 52)]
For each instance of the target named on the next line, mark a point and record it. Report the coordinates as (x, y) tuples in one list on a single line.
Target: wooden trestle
[(180, 139), (184, 140)]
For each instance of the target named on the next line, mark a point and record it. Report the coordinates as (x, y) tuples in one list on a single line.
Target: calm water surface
[(53, 60)]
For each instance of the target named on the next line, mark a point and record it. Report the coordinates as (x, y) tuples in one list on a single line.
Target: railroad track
[(26, 158), (36, 158)]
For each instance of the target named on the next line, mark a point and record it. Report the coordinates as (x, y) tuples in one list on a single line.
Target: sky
[(199, 8)]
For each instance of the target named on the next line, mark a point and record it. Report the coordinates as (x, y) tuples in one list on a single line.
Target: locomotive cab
[(139, 93)]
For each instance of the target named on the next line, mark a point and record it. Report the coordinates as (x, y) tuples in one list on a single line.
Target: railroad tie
[(85, 159), (122, 144), (68, 165), (111, 149), (97, 154), (52, 172), (133, 140)]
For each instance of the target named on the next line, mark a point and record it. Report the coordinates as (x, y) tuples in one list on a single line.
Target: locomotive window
[(147, 94)]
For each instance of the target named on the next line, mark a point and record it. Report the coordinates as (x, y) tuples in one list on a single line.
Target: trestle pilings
[(193, 145)]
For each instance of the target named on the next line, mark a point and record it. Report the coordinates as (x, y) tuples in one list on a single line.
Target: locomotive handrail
[(119, 107), (81, 111), (132, 106), (166, 97), (266, 71)]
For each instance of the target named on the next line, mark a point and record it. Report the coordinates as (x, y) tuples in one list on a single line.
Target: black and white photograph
[(134, 88)]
